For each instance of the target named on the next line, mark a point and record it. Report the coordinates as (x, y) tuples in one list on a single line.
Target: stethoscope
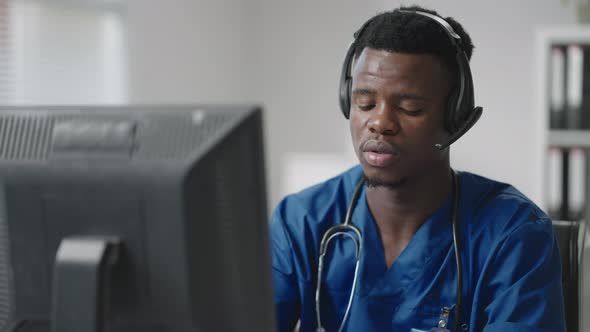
[(351, 231)]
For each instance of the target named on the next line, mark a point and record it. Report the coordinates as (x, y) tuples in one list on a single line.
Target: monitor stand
[(81, 283)]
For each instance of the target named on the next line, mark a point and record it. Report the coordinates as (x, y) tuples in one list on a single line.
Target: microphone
[(475, 115)]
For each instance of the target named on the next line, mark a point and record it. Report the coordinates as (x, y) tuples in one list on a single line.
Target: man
[(406, 79)]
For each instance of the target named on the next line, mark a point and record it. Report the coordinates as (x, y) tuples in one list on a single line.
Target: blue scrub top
[(510, 259)]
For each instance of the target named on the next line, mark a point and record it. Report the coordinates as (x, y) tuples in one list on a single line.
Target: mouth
[(379, 153)]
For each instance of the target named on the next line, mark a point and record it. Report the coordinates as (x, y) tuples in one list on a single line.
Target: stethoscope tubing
[(456, 244), (343, 229), (347, 227)]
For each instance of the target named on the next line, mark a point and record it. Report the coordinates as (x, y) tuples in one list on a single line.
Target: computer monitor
[(133, 219)]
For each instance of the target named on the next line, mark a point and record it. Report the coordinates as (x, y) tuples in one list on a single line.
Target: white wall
[(287, 55), (184, 51)]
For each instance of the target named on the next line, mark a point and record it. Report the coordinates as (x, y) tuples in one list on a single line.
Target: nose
[(384, 121)]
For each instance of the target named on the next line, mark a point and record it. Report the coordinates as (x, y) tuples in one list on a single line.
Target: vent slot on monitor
[(25, 137), (175, 138)]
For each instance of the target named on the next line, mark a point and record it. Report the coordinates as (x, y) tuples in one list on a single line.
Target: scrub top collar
[(376, 280)]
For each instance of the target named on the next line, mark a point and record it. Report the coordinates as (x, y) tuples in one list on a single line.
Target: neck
[(399, 212)]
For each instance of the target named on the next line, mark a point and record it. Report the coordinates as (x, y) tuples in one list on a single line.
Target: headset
[(460, 113)]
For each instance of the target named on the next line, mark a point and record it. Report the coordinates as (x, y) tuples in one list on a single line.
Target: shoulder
[(496, 207), (497, 218), (299, 220), (319, 202)]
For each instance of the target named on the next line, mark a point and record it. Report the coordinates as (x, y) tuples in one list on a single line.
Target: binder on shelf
[(577, 183), (585, 103), (573, 85), (557, 85), (554, 170), (559, 184)]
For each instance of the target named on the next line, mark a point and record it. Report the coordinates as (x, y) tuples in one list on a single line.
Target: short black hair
[(397, 31)]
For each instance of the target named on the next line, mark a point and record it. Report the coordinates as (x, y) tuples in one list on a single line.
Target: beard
[(392, 185)]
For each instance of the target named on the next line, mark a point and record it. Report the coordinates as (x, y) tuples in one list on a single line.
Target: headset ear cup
[(451, 121), (465, 104), (345, 97), (348, 96), (470, 119), (346, 81)]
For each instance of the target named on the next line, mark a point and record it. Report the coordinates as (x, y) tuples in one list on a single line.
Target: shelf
[(569, 138)]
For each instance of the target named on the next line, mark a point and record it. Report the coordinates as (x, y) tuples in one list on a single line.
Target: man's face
[(397, 114)]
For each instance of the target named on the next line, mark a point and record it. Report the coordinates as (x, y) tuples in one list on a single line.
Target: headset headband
[(460, 114)]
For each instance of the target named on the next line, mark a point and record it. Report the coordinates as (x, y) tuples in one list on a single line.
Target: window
[(62, 52)]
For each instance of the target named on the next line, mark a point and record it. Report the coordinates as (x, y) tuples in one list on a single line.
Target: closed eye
[(366, 107), (411, 112)]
